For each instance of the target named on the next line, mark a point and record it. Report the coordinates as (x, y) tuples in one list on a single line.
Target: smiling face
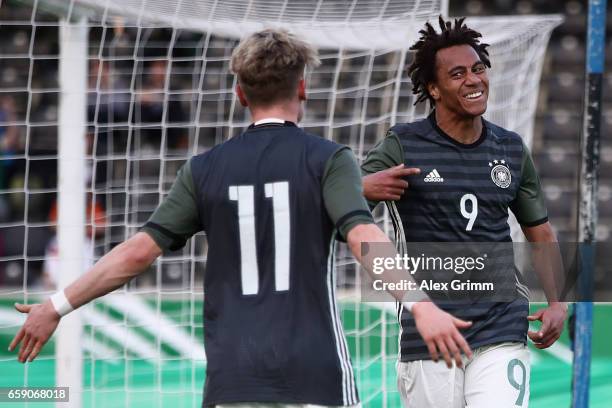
[(461, 85)]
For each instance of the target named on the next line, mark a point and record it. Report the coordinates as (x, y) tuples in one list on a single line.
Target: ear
[(433, 90), (241, 97), (302, 90)]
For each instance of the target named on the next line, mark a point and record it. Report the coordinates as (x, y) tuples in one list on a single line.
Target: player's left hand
[(39, 326), (552, 318)]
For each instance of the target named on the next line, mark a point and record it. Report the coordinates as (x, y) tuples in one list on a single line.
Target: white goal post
[(72, 119), (159, 90)]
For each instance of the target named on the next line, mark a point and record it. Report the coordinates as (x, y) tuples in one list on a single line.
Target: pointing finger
[(408, 171)]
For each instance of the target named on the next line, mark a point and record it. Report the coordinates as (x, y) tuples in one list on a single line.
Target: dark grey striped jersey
[(462, 194)]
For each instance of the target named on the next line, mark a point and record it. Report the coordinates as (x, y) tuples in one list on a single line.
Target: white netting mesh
[(329, 24), (159, 91)]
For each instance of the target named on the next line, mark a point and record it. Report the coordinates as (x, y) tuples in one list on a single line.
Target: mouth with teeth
[(473, 95)]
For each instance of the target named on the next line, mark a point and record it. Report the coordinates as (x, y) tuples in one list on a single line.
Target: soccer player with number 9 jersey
[(471, 173)]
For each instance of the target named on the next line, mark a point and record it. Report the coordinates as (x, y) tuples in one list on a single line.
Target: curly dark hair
[(422, 71)]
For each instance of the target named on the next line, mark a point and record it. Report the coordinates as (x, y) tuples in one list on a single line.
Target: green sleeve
[(176, 218), (529, 206), (343, 192), (386, 154)]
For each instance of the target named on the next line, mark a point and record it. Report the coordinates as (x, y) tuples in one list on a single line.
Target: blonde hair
[(269, 65)]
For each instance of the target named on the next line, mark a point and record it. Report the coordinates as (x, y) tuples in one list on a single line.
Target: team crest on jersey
[(500, 173)]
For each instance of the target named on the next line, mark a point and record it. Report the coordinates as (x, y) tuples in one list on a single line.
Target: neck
[(464, 129), (289, 111)]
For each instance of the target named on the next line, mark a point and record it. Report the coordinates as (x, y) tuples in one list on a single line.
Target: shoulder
[(417, 128), (201, 162), (503, 136), (320, 144), (201, 158)]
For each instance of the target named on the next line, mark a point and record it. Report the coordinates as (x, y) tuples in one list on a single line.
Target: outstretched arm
[(112, 271), (439, 329), (115, 269), (170, 226)]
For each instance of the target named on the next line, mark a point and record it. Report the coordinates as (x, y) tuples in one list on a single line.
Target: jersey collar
[(276, 122), (434, 124)]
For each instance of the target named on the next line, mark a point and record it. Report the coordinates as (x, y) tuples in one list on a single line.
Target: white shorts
[(495, 376)]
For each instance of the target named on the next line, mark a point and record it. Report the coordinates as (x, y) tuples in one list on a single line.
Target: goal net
[(159, 90)]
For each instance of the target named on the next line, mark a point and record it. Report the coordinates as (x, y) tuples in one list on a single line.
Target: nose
[(472, 78)]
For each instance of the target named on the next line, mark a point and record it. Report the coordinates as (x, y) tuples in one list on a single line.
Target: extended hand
[(387, 185), (440, 331), (39, 326), (552, 318)]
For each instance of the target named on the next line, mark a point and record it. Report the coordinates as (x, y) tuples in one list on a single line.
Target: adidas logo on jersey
[(433, 177)]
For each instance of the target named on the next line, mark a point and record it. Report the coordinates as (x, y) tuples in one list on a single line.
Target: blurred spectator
[(108, 103), (97, 145), (155, 107), (108, 99), (9, 146), (9, 134), (95, 228)]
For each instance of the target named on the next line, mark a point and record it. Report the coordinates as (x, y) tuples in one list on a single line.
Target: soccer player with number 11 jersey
[(272, 202)]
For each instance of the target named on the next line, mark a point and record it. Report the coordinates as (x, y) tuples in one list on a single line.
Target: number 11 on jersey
[(249, 272)]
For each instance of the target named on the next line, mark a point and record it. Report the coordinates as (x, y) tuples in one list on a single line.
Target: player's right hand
[(39, 326), (387, 185), (440, 331)]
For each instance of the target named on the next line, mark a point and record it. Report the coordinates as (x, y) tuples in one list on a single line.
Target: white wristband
[(61, 304)]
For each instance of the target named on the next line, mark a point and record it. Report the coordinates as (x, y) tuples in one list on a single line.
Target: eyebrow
[(461, 67)]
